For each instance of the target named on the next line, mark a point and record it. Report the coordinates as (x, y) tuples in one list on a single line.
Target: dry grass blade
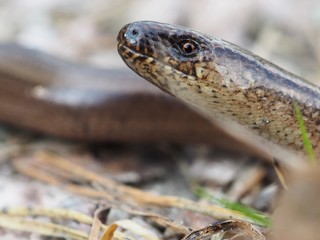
[(114, 192), (56, 213), (280, 174), (109, 233), (48, 229), (97, 224), (160, 220), (15, 218), (135, 229), (95, 227)]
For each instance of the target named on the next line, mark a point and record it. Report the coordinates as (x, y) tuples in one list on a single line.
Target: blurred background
[(286, 32)]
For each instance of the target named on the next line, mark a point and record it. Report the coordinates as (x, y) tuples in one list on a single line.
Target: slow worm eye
[(188, 48)]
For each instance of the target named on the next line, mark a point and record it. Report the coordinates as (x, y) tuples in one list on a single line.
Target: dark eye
[(188, 48)]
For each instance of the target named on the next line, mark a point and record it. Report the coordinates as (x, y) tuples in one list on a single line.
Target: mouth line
[(150, 60)]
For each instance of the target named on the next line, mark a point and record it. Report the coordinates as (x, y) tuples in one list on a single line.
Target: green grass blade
[(255, 216), (305, 137)]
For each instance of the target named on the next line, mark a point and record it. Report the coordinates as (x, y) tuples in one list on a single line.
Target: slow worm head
[(223, 81)]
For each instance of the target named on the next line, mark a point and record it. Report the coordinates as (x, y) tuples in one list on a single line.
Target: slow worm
[(224, 82), (52, 96)]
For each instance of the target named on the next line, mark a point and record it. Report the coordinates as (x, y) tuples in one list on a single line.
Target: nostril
[(135, 32), (132, 35)]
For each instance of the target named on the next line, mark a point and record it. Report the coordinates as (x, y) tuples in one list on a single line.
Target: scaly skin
[(223, 81)]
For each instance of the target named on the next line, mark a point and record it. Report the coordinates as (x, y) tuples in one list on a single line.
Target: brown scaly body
[(223, 81)]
